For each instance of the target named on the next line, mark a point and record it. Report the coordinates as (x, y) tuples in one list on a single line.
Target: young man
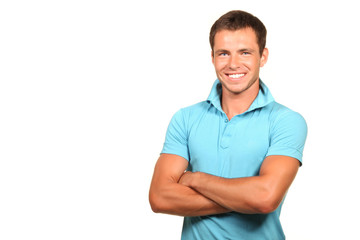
[(228, 162)]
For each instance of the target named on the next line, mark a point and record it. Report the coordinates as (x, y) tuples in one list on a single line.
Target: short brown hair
[(235, 20)]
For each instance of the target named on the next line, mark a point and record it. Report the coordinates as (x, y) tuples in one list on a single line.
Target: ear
[(212, 57), (264, 57)]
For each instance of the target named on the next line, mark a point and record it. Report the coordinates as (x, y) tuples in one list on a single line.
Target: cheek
[(252, 64), (220, 64)]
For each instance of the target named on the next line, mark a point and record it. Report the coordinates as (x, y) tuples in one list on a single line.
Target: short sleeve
[(176, 140), (287, 136)]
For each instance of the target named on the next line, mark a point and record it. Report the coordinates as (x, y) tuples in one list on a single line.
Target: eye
[(223, 54), (245, 53)]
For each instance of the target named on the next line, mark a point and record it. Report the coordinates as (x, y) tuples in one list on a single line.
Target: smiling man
[(228, 162)]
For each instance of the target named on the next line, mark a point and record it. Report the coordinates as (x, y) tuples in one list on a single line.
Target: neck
[(237, 103)]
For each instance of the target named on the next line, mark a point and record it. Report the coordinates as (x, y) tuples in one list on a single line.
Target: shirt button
[(226, 121)]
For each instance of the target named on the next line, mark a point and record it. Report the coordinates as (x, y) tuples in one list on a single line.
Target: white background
[(87, 89)]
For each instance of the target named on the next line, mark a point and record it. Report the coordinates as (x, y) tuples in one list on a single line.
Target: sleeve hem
[(185, 156), (286, 151)]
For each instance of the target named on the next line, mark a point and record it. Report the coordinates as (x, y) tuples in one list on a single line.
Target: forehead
[(240, 38)]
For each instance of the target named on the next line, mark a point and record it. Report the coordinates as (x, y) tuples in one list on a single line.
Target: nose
[(234, 62)]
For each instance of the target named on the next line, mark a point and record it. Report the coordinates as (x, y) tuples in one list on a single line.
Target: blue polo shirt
[(203, 135)]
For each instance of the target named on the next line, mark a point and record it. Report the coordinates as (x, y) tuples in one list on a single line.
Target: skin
[(259, 194), (237, 52), (174, 191), (169, 196)]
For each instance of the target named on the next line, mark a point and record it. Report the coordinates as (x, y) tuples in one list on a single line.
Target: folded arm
[(258, 194), (167, 195)]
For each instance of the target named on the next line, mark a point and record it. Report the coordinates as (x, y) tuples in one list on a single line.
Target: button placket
[(227, 134)]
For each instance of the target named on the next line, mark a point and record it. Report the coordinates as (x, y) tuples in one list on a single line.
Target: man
[(228, 162)]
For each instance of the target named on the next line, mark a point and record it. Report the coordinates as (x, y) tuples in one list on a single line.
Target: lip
[(237, 78)]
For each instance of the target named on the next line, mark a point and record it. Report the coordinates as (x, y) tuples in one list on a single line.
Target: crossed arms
[(196, 194)]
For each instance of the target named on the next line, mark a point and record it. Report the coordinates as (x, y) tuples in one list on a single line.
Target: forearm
[(167, 195), (177, 199), (246, 195), (257, 194)]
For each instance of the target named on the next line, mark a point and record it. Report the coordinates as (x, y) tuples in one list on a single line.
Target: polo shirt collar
[(263, 98)]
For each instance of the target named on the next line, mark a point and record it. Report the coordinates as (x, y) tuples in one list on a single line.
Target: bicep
[(169, 168), (279, 172)]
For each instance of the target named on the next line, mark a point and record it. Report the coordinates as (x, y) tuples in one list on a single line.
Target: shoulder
[(281, 117), (288, 131), (193, 111), (278, 112), (185, 117)]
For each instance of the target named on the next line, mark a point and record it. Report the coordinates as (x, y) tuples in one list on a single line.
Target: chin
[(237, 88), (234, 89)]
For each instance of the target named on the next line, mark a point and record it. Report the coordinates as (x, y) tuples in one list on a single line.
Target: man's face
[(237, 59)]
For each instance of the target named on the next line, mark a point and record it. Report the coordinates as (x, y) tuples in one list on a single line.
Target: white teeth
[(236, 75)]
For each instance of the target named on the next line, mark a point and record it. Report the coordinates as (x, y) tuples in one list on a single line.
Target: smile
[(236, 75)]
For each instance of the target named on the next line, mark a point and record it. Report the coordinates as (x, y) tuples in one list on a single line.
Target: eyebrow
[(240, 50), (221, 51), (246, 50)]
